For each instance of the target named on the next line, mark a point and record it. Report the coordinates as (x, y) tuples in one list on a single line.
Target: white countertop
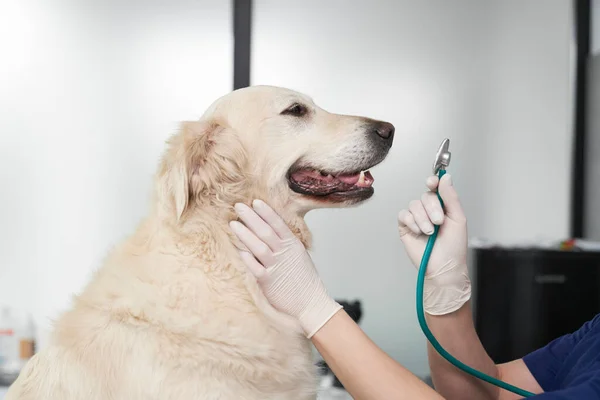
[(324, 394)]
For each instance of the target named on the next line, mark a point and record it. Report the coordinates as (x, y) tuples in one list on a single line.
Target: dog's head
[(274, 144)]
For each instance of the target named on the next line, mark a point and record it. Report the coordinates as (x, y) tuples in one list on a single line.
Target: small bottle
[(27, 341), (9, 355), (3, 334)]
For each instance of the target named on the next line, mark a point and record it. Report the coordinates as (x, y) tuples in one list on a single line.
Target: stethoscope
[(441, 162)]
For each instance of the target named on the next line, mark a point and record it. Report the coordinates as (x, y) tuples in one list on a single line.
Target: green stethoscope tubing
[(421, 315)]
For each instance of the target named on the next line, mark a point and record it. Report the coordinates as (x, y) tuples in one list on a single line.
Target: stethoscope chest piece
[(442, 158)]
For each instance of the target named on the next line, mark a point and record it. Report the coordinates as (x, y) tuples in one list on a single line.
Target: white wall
[(592, 148), (493, 76), (528, 130), (595, 27), (89, 91)]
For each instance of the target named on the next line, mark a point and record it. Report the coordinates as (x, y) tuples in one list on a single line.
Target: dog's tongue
[(365, 181), (349, 179)]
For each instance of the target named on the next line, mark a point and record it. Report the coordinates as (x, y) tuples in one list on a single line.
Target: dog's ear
[(204, 161)]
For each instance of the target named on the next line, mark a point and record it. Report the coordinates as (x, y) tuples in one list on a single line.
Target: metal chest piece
[(442, 158)]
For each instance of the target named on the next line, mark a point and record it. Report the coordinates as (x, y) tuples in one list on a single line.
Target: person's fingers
[(272, 218), (258, 226), (432, 182), (421, 218), (452, 204), (256, 246), (433, 207), (407, 224), (253, 265)]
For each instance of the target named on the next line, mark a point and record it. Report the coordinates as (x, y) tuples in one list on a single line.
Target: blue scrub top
[(569, 367)]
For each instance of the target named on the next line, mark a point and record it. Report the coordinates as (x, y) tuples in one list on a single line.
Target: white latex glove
[(447, 284), (282, 266)]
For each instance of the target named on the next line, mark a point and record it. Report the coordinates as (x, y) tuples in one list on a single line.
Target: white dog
[(173, 313)]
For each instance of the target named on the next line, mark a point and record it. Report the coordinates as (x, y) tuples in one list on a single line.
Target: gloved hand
[(282, 266), (447, 284)]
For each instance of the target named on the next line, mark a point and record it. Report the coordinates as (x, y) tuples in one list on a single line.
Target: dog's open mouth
[(331, 186)]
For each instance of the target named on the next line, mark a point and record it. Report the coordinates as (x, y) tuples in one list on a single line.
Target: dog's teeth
[(361, 178)]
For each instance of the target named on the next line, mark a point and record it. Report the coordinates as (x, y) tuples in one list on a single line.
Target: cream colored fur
[(173, 314)]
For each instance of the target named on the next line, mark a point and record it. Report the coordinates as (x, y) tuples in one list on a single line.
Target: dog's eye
[(296, 110)]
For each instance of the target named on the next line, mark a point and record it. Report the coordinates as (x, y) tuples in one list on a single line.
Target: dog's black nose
[(385, 130)]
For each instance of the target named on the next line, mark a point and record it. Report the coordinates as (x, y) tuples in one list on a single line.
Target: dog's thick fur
[(173, 313)]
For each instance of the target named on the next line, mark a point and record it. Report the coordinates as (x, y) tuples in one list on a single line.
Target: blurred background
[(90, 90)]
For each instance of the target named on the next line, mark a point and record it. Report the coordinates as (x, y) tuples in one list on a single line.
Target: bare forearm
[(456, 333), (364, 369)]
